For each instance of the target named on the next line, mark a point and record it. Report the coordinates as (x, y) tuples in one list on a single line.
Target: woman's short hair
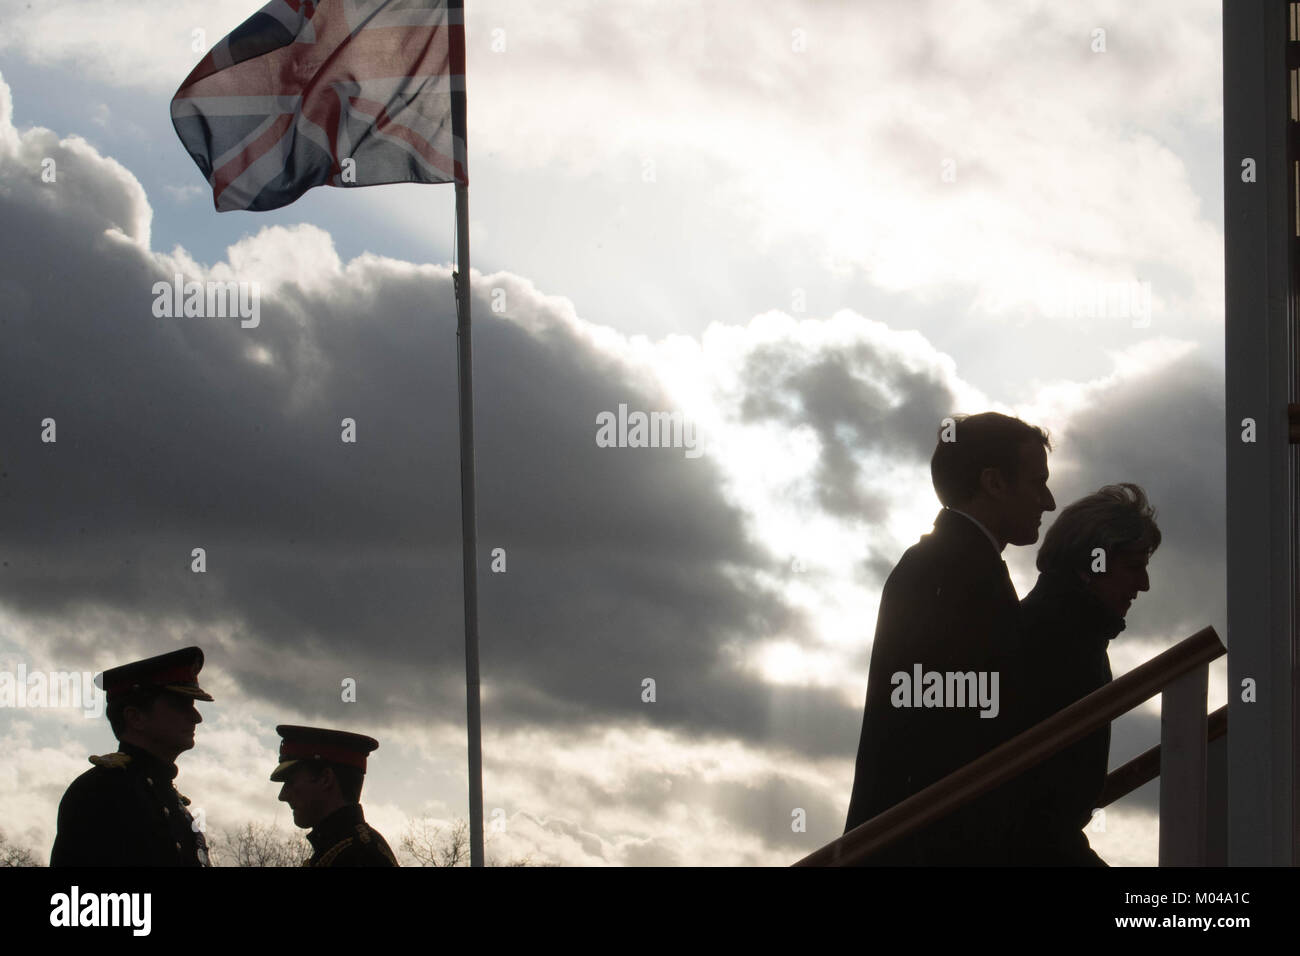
[(987, 440), (1117, 518)]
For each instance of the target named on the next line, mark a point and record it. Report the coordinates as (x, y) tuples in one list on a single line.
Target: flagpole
[(465, 378)]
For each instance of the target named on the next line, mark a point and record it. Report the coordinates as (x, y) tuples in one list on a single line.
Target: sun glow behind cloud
[(838, 154)]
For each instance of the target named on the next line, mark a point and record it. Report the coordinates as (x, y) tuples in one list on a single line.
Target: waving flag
[(333, 93)]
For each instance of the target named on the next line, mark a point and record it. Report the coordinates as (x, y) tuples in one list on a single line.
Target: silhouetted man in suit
[(949, 608)]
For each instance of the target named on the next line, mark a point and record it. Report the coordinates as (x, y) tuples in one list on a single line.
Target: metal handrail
[(1021, 752)]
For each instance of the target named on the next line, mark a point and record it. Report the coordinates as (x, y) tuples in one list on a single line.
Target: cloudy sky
[(812, 229)]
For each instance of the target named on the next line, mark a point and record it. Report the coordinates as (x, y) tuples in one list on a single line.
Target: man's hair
[(349, 778), (143, 698), (1117, 518), (987, 440)]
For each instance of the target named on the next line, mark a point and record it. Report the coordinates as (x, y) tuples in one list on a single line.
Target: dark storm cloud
[(860, 401), (328, 560)]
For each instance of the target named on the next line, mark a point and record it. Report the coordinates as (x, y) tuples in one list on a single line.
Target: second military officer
[(322, 772)]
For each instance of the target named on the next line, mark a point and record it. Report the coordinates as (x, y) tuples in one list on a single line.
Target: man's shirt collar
[(992, 540)]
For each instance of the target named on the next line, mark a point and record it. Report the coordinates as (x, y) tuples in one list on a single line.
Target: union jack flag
[(328, 93)]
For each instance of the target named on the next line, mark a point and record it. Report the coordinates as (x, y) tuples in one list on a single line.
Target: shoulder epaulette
[(114, 761)]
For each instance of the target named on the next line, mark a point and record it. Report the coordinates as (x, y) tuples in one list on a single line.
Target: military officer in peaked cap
[(322, 772), (125, 811)]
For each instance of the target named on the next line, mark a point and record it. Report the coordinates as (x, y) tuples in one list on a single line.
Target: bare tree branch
[(428, 845), (257, 845), (12, 855)]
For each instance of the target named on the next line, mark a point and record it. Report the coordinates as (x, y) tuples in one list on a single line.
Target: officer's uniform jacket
[(345, 839), (125, 811)]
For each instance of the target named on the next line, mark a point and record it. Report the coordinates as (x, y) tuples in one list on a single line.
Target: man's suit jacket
[(949, 605)]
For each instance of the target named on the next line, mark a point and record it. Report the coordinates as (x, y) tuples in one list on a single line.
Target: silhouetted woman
[(1092, 565)]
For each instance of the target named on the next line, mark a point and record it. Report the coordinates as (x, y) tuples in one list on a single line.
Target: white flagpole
[(465, 377)]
